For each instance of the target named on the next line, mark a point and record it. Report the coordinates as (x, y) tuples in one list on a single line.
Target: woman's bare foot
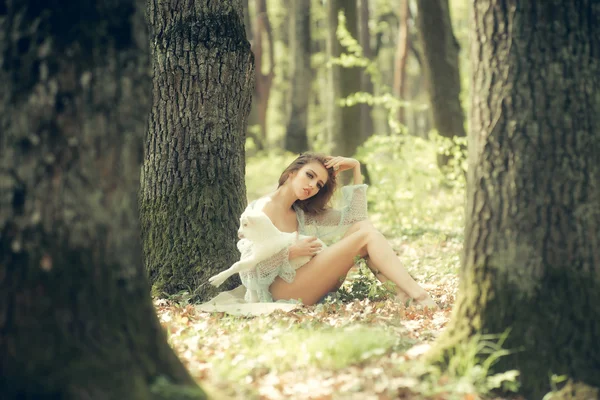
[(402, 297), (425, 300)]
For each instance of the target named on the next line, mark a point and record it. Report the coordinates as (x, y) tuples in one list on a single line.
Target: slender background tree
[(364, 37), (402, 47), (296, 137), (264, 51), (441, 69), (344, 123)]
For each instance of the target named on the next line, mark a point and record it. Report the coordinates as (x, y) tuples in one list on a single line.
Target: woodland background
[(134, 132)]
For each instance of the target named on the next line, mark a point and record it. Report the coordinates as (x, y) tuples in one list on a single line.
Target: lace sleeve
[(258, 280), (333, 221)]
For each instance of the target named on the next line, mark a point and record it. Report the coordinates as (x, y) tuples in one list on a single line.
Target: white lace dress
[(325, 226)]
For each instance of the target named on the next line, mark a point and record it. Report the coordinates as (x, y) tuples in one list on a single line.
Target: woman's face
[(309, 179)]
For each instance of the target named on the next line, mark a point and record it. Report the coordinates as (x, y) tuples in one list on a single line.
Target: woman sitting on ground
[(300, 205)]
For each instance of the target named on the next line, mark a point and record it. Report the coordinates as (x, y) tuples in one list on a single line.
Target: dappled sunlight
[(361, 348), (357, 347)]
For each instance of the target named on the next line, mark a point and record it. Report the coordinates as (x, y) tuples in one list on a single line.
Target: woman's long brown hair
[(319, 202)]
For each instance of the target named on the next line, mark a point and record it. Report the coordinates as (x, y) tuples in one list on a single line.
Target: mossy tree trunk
[(76, 318), (531, 254), (441, 68), (193, 189), (296, 137), (343, 122)]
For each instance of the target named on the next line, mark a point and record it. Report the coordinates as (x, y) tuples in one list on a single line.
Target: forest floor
[(360, 349), (351, 349)]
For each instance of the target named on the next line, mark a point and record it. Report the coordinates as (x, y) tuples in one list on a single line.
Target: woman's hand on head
[(305, 247), (340, 164)]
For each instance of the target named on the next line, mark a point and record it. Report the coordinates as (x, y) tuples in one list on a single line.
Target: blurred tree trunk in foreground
[(440, 55), (76, 318), (531, 262), (193, 187), (296, 138)]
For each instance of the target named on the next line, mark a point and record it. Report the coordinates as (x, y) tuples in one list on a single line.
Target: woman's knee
[(369, 231), (369, 235), (364, 225)]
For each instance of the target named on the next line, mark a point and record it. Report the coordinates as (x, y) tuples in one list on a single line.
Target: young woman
[(300, 205)]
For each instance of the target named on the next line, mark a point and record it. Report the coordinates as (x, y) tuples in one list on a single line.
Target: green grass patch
[(279, 348), (466, 372)]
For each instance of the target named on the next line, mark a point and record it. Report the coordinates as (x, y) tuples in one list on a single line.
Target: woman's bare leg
[(382, 258), (401, 296), (323, 273)]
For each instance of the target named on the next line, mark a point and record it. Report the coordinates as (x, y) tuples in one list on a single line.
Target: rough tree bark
[(344, 122), (440, 56), (296, 138), (76, 318), (531, 259), (193, 187)]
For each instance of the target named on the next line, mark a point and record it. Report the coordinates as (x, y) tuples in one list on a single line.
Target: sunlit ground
[(356, 350), (360, 349)]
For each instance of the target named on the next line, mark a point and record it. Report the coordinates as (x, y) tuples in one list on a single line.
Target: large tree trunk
[(531, 261), (296, 138), (440, 51), (193, 187), (76, 318), (344, 123)]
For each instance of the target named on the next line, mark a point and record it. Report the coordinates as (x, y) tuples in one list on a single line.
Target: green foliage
[(346, 40), (467, 370), (278, 349), (564, 388), (363, 285), (456, 149), (409, 195), (263, 171), (163, 389), (354, 57)]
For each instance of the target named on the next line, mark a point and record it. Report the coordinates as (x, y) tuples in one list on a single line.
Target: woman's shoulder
[(259, 203)]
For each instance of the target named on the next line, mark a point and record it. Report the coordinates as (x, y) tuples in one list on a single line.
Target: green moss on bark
[(76, 320), (163, 389), (193, 189), (531, 263), (188, 238)]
